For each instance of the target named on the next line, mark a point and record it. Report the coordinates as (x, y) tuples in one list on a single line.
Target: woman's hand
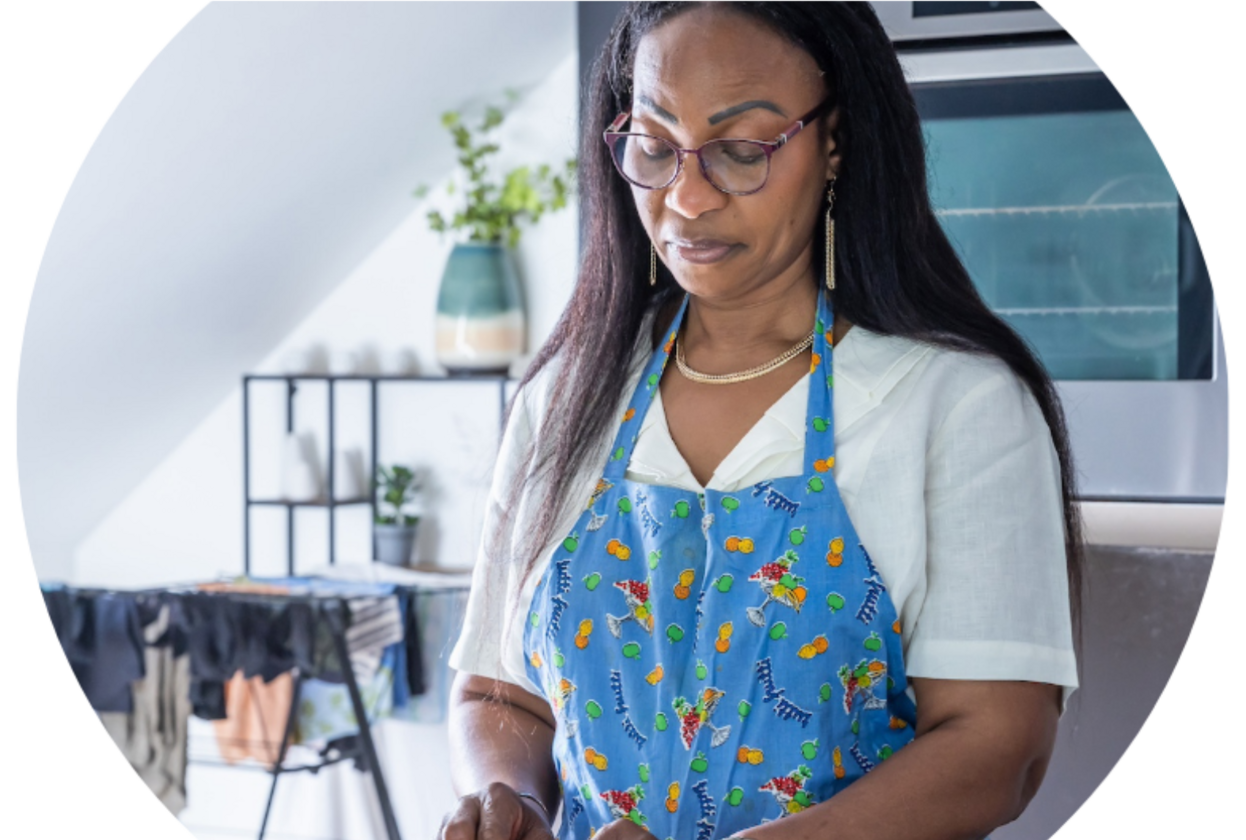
[(501, 741), (496, 813), (623, 829)]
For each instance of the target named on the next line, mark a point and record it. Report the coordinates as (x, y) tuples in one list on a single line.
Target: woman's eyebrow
[(716, 118), (658, 109), (745, 106)]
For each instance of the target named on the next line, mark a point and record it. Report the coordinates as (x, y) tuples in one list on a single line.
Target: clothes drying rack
[(333, 607)]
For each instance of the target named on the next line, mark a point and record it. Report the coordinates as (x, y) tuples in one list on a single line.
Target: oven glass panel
[(1068, 224)]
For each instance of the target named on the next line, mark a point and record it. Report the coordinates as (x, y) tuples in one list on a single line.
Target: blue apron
[(716, 660)]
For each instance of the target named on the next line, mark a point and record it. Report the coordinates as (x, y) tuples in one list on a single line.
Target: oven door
[(907, 22), (1073, 232)]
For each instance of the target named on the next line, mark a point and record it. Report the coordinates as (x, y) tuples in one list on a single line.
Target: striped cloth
[(375, 624)]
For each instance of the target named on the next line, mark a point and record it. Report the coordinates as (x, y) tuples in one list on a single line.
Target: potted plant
[(480, 319), (394, 528)]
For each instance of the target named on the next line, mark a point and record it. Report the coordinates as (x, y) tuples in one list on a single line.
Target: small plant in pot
[(393, 527)]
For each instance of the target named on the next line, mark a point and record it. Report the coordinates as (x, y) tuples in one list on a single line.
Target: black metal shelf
[(317, 503), (380, 377), (291, 381)]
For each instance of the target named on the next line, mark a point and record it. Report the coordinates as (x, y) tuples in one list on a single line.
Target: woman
[(707, 648)]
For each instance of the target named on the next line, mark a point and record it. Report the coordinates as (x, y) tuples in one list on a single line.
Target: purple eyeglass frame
[(768, 146)]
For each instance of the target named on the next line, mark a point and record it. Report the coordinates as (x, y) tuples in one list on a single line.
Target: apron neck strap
[(820, 410), (642, 396), (819, 419)]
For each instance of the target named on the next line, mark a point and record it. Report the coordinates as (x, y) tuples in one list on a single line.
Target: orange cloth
[(244, 587), (256, 718)]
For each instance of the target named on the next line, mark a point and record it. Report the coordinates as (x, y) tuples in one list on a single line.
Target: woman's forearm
[(959, 780), (494, 740)]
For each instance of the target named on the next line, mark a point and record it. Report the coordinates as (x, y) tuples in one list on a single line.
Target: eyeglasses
[(735, 166)]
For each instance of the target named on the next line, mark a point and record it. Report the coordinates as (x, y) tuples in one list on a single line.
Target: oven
[(1072, 230), (1074, 233), (952, 24)]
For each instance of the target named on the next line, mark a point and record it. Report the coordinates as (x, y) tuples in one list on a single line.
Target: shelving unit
[(329, 503)]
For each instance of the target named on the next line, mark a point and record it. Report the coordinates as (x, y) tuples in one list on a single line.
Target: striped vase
[(480, 317)]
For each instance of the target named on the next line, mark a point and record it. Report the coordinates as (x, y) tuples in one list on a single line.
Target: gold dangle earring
[(830, 235), (653, 266)]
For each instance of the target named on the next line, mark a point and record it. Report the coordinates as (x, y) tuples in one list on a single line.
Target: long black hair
[(896, 271)]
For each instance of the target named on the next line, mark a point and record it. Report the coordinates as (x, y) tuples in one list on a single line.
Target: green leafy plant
[(492, 211), (398, 486)]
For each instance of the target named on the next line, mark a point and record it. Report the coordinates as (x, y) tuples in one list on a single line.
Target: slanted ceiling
[(259, 158)]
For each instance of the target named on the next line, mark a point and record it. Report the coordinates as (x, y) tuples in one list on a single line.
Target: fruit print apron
[(716, 660)]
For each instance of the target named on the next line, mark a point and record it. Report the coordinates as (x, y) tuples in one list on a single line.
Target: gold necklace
[(744, 375)]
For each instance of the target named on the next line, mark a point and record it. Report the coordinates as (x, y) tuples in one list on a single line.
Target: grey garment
[(153, 736), (375, 624)]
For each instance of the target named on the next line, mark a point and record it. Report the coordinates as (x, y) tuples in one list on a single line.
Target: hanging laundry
[(232, 653), (103, 640), (439, 616), (259, 638), (256, 717), (414, 666), (325, 712), (153, 736), (375, 624)]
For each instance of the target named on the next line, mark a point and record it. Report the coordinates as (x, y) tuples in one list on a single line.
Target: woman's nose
[(691, 194)]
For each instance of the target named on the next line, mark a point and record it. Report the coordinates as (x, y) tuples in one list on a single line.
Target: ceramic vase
[(480, 319)]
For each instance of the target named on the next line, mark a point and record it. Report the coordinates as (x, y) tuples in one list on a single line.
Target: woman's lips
[(701, 250)]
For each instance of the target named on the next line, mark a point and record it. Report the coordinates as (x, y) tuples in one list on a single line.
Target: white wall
[(184, 520), (259, 159)]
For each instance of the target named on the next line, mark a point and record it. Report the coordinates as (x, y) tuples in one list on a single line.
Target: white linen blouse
[(945, 466)]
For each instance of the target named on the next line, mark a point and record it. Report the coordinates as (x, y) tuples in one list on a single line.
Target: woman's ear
[(834, 154)]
